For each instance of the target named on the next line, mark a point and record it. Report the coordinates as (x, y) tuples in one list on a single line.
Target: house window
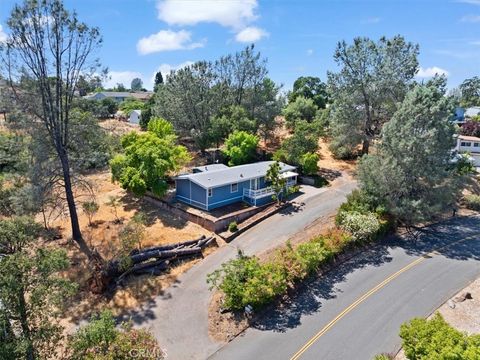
[(476, 144), (234, 188), (210, 192), (464, 143)]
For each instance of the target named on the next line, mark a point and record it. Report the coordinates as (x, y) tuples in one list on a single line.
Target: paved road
[(179, 317), (371, 325)]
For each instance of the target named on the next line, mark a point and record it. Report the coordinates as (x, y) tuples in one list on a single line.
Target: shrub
[(363, 227), (309, 163), (472, 202), (232, 227), (436, 339), (384, 357), (313, 254), (245, 281), (101, 340), (320, 181)]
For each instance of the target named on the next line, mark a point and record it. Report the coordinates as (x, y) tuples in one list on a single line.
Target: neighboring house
[(120, 96), (217, 185), (471, 112), (135, 116), (459, 116), (469, 145)]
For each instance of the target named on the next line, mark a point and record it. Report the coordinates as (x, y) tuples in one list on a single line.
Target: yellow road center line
[(369, 293)]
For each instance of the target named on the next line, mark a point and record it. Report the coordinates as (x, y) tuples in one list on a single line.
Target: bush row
[(247, 281)]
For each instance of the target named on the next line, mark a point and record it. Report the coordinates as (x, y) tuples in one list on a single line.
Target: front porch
[(263, 196)]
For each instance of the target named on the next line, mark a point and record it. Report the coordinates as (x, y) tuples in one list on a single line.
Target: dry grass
[(161, 228)]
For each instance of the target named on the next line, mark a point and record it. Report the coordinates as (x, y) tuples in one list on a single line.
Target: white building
[(470, 145), (135, 117)]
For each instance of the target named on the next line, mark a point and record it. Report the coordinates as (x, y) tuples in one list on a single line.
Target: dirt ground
[(118, 127), (463, 315), (162, 227)]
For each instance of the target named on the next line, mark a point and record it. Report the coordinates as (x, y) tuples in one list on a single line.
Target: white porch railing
[(255, 194)]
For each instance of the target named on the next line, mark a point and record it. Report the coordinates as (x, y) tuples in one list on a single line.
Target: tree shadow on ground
[(152, 212), (309, 298), (329, 174)]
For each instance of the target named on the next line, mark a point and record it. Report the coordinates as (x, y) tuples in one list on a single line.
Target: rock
[(462, 297), (451, 304)]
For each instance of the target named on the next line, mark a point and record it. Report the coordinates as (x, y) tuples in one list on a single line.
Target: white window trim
[(231, 188), (209, 192)]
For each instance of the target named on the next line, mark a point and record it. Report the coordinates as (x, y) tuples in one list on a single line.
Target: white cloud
[(234, 14), (165, 69), (470, 18), (430, 72), (251, 34), (3, 35), (310, 52), (121, 77), (167, 40)]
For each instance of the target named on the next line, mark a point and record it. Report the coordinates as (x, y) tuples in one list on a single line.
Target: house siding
[(198, 194), (222, 195)]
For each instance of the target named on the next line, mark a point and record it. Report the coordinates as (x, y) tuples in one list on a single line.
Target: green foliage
[(148, 159), (130, 104), (277, 182), (90, 147), (309, 163), (102, 340), (435, 339), (304, 140), (197, 94), (384, 357), (233, 118), (232, 227), (136, 84), (472, 202), (90, 208), (147, 113), (409, 174), (362, 226), (470, 92), (240, 148), (246, 281), (374, 77), (300, 109), (312, 88), (32, 292), (13, 152)]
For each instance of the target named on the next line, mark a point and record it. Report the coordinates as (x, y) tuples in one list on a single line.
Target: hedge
[(435, 339)]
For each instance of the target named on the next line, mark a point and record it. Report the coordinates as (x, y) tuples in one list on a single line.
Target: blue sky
[(297, 37)]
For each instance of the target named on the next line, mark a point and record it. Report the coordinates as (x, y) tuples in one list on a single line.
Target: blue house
[(212, 186)]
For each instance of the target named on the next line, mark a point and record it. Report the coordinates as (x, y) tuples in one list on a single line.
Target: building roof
[(234, 174), (472, 111), (142, 95), (211, 167), (468, 138)]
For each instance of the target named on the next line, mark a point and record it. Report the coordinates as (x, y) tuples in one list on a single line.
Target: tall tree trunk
[(365, 146), (72, 209)]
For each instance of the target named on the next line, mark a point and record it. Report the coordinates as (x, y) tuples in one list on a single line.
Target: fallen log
[(166, 254), (168, 247)]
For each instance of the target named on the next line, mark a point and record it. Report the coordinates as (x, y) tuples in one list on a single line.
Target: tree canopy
[(240, 147), (136, 84), (470, 92), (148, 159), (310, 87), (410, 173), (373, 79)]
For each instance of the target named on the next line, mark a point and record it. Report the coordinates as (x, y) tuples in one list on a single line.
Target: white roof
[(288, 174), (211, 167), (138, 112), (234, 174), (472, 111)]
